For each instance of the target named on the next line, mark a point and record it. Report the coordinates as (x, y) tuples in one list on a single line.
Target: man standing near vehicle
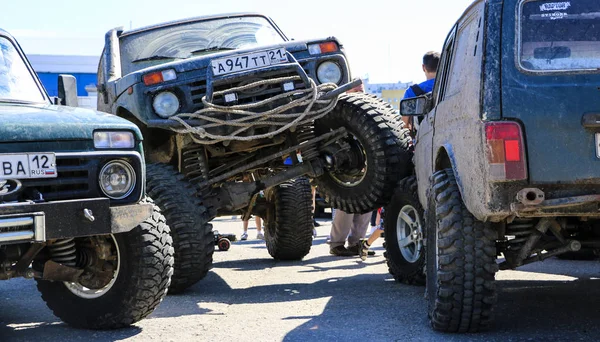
[(431, 60)]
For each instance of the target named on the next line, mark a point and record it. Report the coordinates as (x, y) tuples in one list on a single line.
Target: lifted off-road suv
[(73, 213), (507, 155), (223, 102)]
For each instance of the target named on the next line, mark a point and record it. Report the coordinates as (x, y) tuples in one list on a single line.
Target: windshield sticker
[(555, 6), (555, 15)]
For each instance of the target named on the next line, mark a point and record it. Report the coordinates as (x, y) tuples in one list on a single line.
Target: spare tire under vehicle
[(381, 148), (289, 220)]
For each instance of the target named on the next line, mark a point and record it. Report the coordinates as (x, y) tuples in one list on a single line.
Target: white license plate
[(28, 165), (598, 145), (250, 61)]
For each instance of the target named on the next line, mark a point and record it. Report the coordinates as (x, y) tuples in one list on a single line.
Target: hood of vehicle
[(42, 122), (203, 61)]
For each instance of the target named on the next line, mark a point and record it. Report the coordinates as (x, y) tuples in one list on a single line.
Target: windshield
[(166, 44), (560, 36), (16, 82)]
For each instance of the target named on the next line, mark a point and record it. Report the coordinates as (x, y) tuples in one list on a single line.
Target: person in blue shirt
[(431, 60)]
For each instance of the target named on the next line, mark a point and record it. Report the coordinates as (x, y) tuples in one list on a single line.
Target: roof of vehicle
[(192, 19)]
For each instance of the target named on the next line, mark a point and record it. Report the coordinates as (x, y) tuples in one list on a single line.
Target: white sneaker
[(260, 236), (244, 236)]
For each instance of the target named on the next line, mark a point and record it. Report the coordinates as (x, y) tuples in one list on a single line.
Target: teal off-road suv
[(73, 211), (507, 155)]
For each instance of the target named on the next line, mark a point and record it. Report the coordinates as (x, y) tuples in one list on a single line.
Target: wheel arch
[(160, 145)]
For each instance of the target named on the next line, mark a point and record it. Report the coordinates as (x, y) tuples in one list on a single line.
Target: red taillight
[(506, 153)]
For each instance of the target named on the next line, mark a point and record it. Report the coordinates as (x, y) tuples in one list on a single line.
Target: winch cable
[(211, 112)]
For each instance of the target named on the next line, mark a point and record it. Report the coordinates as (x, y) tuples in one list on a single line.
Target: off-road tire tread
[(290, 236), (465, 293), (403, 271), (388, 148), (193, 238), (135, 295)]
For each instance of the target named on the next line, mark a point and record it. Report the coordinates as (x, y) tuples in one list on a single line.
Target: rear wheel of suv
[(126, 276), (289, 220), (188, 219), (404, 231), (376, 154), (461, 261)]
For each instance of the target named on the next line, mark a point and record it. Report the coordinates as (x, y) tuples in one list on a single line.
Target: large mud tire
[(404, 225), (461, 261), (385, 144), (188, 219), (289, 221), (142, 280)]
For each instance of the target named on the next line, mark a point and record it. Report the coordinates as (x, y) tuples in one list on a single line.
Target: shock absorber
[(64, 252), (194, 164), (305, 133)]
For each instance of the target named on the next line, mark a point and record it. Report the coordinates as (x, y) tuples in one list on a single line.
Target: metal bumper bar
[(39, 222)]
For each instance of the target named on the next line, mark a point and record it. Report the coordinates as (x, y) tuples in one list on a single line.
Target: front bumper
[(39, 222)]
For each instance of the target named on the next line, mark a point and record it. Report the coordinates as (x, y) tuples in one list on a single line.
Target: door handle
[(591, 120)]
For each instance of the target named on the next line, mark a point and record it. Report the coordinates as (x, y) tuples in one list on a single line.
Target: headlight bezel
[(159, 111), (324, 64), (132, 178), (113, 140)]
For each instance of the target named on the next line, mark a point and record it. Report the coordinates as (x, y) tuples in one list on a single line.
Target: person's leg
[(360, 225), (339, 231), (259, 233), (245, 233)]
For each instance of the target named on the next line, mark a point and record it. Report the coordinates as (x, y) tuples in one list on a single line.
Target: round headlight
[(117, 179), (165, 104), (329, 72)]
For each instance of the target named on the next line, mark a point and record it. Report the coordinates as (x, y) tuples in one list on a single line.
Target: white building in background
[(84, 68), (378, 88)]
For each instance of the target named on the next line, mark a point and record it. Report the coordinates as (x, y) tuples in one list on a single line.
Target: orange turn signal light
[(153, 78), (328, 47)]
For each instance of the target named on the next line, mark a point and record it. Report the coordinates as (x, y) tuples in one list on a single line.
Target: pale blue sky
[(383, 38)]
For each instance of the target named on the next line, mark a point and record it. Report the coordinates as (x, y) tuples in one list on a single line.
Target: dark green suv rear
[(507, 155), (73, 211)]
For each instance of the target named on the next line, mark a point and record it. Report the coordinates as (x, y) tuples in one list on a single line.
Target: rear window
[(560, 36)]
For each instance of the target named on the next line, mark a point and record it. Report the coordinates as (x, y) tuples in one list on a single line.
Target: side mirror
[(67, 90), (414, 106)]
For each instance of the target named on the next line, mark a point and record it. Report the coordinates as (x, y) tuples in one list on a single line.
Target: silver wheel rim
[(84, 292), (409, 233)]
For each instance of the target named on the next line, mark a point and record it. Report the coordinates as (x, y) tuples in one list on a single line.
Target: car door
[(424, 153)]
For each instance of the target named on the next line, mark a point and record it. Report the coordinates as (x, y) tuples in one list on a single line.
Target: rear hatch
[(555, 84)]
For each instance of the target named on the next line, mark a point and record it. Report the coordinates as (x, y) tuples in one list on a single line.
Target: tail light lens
[(505, 151)]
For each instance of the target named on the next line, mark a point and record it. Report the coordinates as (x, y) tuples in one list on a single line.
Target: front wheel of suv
[(126, 276), (193, 239), (372, 158)]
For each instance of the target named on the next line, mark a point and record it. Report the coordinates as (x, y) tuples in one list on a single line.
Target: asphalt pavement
[(248, 296)]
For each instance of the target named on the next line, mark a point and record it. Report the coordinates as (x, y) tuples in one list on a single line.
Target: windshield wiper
[(212, 48), (156, 58)]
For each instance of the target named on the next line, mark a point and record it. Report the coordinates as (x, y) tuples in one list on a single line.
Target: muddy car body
[(224, 101), (507, 153), (73, 211)]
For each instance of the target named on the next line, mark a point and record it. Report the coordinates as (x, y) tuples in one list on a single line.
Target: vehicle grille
[(72, 182), (198, 88)]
